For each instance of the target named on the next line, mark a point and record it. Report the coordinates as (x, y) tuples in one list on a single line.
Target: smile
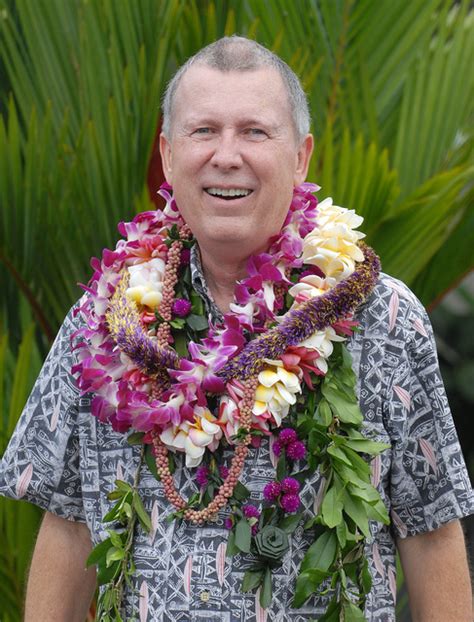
[(228, 193)]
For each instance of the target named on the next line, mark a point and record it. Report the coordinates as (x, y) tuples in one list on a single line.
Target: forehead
[(207, 92)]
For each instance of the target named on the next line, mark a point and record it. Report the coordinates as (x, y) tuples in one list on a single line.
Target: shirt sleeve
[(429, 483), (41, 462)]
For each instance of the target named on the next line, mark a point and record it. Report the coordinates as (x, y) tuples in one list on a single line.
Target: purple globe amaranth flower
[(251, 511), (202, 474), (296, 450), (185, 256), (229, 522), (290, 503), (287, 436), (277, 448), (223, 471), (272, 491), (290, 485), (181, 307)]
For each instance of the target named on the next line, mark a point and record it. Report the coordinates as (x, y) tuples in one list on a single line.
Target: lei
[(170, 379)]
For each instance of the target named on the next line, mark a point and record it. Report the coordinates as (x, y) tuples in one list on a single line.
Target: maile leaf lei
[(276, 361)]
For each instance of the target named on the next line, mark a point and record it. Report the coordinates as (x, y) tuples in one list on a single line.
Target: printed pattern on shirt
[(64, 460)]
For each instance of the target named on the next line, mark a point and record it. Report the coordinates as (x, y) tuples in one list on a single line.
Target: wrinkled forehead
[(251, 90)]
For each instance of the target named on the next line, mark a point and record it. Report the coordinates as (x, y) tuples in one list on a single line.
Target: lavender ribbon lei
[(299, 324)]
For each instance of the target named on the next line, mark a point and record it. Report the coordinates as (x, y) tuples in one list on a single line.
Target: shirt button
[(204, 596)]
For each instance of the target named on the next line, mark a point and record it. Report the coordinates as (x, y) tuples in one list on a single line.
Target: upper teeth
[(228, 192)]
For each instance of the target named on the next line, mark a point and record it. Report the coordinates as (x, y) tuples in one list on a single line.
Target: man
[(235, 143)]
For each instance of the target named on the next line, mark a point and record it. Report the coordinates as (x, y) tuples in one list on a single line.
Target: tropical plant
[(390, 87)]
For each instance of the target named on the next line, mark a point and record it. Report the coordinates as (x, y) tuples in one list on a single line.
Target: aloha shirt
[(65, 461)]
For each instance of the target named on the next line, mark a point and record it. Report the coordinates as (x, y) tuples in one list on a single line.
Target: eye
[(202, 130), (256, 133)]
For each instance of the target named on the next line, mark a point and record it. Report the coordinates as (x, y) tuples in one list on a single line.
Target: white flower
[(193, 438), (146, 282), (276, 391), (311, 286), (332, 245), (321, 341)]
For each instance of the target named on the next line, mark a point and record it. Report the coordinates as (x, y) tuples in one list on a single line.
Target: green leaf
[(121, 485), (252, 579), (136, 438), (324, 413), (177, 323), (180, 344), (346, 411), (354, 508), (365, 577), (105, 573), (331, 507), (141, 512), (366, 446), (341, 532), (363, 491), (197, 322), (151, 461), (352, 613), (321, 553), (308, 582), (266, 591), (241, 492), (281, 470), (243, 534), (98, 552), (113, 555), (338, 454), (116, 538), (232, 548), (332, 612), (114, 513), (290, 523)]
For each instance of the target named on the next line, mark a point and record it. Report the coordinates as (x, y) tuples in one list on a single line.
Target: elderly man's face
[(232, 157)]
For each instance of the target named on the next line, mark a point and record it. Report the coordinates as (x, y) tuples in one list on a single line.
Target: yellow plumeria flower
[(146, 282), (276, 391), (332, 245)]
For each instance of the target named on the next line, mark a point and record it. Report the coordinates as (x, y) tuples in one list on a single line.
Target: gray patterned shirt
[(64, 460)]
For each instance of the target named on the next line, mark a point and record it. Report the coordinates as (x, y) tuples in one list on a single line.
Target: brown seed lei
[(245, 407), (226, 490)]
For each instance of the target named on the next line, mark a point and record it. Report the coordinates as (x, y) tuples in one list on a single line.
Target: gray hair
[(240, 54)]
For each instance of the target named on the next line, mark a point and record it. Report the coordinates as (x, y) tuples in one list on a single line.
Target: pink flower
[(290, 503), (296, 450), (185, 256), (202, 475), (290, 485), (287, 436), (250, 511), (277, 448), (181, 307), (272, 491), (229, 522)]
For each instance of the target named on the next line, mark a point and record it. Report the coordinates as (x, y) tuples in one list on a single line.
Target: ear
[(303, 158), (165, 152)]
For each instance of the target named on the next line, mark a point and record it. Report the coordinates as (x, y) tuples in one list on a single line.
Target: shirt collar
[(200, 286)]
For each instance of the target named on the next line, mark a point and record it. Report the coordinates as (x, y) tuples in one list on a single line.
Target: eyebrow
[(246, 122)]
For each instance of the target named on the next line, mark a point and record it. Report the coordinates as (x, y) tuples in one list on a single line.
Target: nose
[(227, 151)]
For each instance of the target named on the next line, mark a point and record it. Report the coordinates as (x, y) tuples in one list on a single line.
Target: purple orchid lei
[(120, 361), (295, 302)]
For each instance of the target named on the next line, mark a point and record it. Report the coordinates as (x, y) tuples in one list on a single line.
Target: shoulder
[(393, 311)]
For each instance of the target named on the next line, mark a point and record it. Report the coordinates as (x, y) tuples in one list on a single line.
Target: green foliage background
[(390, 86)]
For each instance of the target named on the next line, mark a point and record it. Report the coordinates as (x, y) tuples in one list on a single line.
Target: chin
[(239, 240)]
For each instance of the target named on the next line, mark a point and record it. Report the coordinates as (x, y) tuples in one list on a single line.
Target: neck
[(221, 274)]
